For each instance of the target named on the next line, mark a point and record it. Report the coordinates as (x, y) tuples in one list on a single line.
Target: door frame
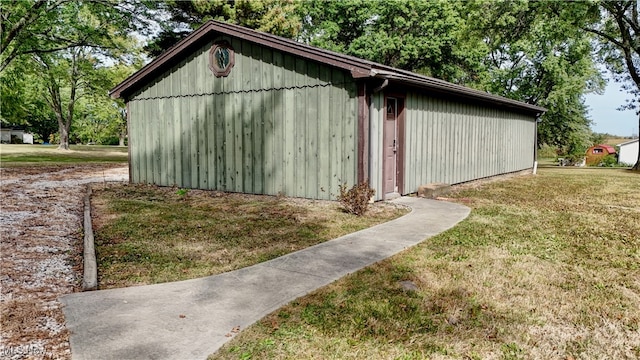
[(400, 139)]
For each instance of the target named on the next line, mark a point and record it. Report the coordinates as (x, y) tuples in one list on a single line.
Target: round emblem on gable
[(221, 58)]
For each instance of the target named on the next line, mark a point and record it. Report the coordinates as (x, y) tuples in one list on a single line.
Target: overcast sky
[(606, 119)]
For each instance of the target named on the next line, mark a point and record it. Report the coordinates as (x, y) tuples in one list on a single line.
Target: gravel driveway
[(40, 254)]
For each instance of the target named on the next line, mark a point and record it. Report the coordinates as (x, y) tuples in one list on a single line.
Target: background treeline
[(59, 58)]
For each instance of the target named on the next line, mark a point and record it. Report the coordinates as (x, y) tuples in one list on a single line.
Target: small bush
[(547, 152), (356, 200), (182, 192), (608, 161)]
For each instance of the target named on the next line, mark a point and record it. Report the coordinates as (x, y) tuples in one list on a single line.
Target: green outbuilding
[(233, 109)]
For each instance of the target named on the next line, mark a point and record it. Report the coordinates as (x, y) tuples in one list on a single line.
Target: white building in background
[(11, 132), (27, 138), (628, 152), (5, 135)]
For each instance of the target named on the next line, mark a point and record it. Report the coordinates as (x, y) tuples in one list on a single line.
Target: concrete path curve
[(191, 319)]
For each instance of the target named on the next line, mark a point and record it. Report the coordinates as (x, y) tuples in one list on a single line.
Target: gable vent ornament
[(221, 59)]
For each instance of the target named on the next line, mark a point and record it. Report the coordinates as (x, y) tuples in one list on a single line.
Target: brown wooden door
[(390, 146)]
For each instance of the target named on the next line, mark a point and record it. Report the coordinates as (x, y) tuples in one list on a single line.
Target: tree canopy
[(537, 56), (420, 36), (278, 17), (617, 27), (43, 26), (524, 50), (61, 46), (58, 58)]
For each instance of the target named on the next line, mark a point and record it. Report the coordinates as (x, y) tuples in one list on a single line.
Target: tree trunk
[(636, 167), (62, 129), (64, 137)]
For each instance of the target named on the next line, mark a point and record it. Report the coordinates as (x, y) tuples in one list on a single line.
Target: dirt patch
[(40, 253)]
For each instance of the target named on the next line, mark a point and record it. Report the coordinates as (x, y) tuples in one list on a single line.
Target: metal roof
[(610, 149), (359, 68), (628, 142)]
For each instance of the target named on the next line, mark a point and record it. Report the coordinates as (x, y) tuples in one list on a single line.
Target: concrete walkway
[(190, 319)]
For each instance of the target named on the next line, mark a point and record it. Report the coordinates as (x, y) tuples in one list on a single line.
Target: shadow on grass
[(148, 234)]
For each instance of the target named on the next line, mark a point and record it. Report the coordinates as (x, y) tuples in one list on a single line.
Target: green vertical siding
[(376, 114), (276, 124), (453, 142)]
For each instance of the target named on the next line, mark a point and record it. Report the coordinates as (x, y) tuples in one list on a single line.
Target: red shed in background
[(597, 152)]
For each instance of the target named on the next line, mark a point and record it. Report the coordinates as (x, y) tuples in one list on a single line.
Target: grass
[(616, 141), (545, 162), (147, 235), (545, 267), (47, 155)]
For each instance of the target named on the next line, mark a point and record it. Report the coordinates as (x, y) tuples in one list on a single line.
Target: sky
[(606, 119)]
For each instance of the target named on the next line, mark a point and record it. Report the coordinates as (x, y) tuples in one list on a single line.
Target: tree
[(62, 40), (14, 96), (77, 76), (617, 26), (101, 119), (278, 17), (420, 36), (43, 124), (47, 26), (65, 83), (514, 49), (539, 58), (22, 102)]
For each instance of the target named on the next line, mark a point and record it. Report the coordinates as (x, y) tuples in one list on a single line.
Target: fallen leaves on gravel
[(40, 254)]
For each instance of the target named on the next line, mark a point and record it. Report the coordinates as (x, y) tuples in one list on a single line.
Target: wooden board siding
[(453, 142), (276, 124), (376, 113)]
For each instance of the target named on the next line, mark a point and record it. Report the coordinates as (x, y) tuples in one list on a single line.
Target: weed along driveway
[(193, 318), (41, 227)]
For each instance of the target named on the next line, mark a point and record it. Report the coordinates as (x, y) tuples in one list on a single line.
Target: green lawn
[(149, 234), (46, 155), (545, 267)]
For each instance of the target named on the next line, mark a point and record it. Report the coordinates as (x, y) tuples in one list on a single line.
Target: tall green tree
[(278, 17), (517, 49), (22, 103), (62, 40), (67, 80), (101, 119), (617, 27), (14, 99), (537, 56), (47, 26), (420, 36)]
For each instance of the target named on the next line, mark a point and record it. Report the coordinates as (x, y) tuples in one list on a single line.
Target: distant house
[(5, 135), (232, 109), (629, 152), (14, 134)]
